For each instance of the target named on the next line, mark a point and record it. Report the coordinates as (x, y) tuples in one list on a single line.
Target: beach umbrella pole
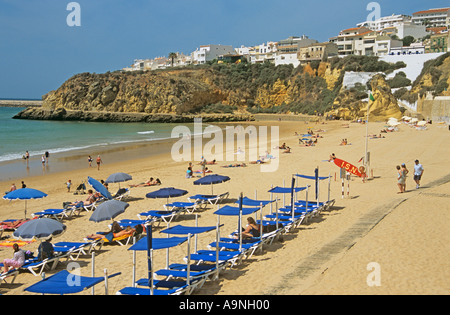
[(292, 197), (93, 269), (105, 271), (329, 186), (217, 246), (188, 260), (240, 223), (149, 258), (134, 269)]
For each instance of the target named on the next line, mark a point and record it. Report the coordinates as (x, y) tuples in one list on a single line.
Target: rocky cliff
[(219, 88)]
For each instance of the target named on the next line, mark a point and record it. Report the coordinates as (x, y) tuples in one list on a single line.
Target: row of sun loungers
[(227, 252), (200, 266)]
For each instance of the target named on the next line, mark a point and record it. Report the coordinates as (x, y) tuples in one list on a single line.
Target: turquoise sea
[(69, 143), (36, 137)]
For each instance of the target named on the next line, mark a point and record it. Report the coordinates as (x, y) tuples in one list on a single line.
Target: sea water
[(70, 142), (38, 136)]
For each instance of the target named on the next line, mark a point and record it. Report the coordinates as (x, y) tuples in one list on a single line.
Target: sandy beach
[(405, 236)]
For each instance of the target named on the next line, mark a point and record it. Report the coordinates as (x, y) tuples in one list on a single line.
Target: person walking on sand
[(400, 179), (27, 156), (203, 163), (90, 161), (418, 172), (405, 173), (99, 161)]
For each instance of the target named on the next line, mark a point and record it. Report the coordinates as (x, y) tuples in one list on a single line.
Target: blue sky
[(39, 51)]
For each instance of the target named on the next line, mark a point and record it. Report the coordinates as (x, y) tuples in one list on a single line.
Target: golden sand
[(375, 242)]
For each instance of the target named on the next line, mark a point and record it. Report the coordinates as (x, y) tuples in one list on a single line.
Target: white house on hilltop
[(210, 52)]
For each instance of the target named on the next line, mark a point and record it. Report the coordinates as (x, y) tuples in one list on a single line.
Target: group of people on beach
[(14, 187), (98, 160), (44, 158), (402, 172)]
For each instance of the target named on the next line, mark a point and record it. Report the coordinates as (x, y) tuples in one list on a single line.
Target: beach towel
[(10, 242)]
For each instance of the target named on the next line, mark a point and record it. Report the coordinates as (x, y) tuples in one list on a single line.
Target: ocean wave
[(146, 132)]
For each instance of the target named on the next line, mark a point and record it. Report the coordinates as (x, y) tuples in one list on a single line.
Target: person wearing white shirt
[(418, 172)]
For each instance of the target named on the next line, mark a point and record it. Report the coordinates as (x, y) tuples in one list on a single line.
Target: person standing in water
[(99, 161)]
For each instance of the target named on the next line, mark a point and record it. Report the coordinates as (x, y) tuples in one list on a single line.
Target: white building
[(264, 52), (210, 52), (384, 22), (432, 17), (287, 59), (347, 40), (410, 29), (288, 49), (413, 49)]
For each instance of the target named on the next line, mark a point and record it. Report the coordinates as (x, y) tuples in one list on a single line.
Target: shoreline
[(76, 159), (402, 239)]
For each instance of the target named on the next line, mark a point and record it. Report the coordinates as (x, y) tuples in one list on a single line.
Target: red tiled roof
[(432, 11), (351, 29), (437, 30)]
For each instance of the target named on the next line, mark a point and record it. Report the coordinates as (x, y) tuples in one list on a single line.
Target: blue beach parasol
[(211, 180), (167, 193), (118, 178), (100, 188), (40, 229), (108, 210), (24, 194)]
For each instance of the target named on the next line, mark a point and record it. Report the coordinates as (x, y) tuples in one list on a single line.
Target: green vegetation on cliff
[(222, 88)]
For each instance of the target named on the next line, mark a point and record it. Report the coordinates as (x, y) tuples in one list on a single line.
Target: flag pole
[(367, 133)]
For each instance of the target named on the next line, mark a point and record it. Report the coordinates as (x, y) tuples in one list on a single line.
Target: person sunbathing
[(150, 182), (252, 229), (257, 162), (288, 150), (12, 225), (236, 165), (116, 231), (89, 200)]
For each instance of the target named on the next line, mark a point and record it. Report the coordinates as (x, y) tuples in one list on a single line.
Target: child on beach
[(90, 161), (69, 184), (17, 261)]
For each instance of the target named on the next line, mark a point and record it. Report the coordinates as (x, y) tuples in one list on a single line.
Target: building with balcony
[(432, 17), (317, 52), (437, 43), (385, 22), (210, 52), (347, 40)]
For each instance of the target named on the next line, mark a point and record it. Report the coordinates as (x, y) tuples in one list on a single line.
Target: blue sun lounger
[(189, 207), (146, 291), (229, 257), (57, 214), (11, 273), (74, 249), (171, 283), (248, 248), (159, 215), (59, 284), (212, 199)]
